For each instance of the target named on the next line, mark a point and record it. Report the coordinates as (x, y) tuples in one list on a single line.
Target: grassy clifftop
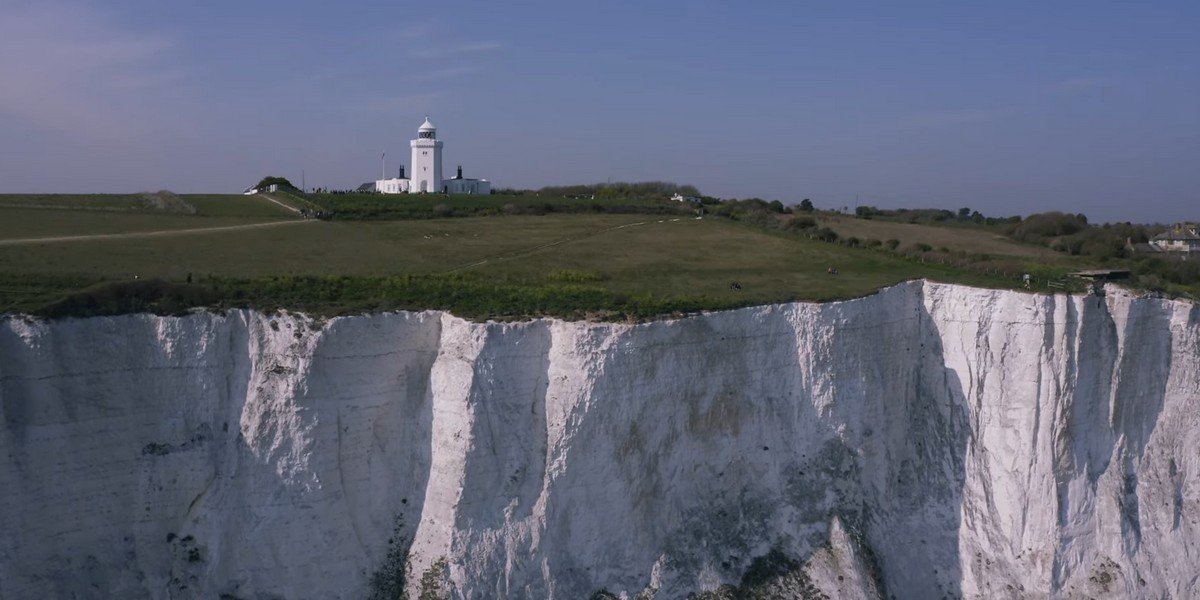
[(624, 259)]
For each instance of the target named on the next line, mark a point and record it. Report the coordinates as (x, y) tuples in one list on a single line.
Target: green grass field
[(971, 238), (201, 205), (613, 264), (24, 223)]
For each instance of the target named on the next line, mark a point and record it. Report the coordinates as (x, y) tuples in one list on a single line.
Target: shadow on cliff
[(1112, 406), (373, 424), (712, 444), (505, 466), (914, 485)]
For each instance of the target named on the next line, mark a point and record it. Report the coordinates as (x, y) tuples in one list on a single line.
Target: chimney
[(401, 171), (459, 172)]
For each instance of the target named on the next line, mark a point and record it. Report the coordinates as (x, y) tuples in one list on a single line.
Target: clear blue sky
[(1006, 107)]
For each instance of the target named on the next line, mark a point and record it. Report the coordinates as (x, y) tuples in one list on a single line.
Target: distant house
[(1181, 237), (682, 198), (466, 185), (250, 191)]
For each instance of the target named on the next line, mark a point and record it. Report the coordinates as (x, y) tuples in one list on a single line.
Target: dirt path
[(289, 200), (147, 234), (270, 199)]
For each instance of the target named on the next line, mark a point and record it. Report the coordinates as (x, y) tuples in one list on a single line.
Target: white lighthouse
[(426, 176), (426, 161)]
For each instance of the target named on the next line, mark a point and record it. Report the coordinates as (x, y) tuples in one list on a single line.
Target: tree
[(964, 212), (273, 180), (806, 205)]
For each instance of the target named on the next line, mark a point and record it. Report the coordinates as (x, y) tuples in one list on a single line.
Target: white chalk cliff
[(928, 441)]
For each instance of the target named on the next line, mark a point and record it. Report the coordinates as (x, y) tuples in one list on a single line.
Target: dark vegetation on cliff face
[(389, 579), (621, 251)]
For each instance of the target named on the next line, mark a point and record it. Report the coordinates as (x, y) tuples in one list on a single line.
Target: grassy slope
[(75, 201), (316, 248), (635, 264), (211, 205), (692, 257), (20, 223), (970, 238)]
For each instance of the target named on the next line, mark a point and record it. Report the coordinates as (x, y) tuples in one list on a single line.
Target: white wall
[(467, 186), (426, 173), (392, 186)]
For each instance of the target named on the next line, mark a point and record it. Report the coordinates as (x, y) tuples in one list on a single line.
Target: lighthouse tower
[(426, 161)]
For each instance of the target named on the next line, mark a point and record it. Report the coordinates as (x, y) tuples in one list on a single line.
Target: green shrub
[(825, 234), (574, 276), (273, 180), (147, 295), (799, 223)]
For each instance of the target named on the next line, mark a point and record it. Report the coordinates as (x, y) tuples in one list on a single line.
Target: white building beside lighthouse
[(426, 175)]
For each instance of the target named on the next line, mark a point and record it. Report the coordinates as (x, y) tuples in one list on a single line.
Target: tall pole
[(303, 183), (383, 166)]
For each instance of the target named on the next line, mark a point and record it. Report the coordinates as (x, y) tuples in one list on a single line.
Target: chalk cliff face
[(928, 441)]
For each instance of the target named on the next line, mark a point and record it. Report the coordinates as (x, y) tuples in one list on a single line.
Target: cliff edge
[(928, 441)]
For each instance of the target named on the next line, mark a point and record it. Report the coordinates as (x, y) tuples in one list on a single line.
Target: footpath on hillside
[(146, 234)]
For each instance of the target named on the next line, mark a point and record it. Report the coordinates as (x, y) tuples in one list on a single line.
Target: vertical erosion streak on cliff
[(682, 453), (1143, 372), (451, 381), (1085, 438), (1080, 418), (325, 459), (1008, 351), (921, 410), (368, 391), (109, 430), (493, 548)]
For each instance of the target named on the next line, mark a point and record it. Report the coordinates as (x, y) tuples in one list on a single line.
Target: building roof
[(427, 126), (1181, 232)]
